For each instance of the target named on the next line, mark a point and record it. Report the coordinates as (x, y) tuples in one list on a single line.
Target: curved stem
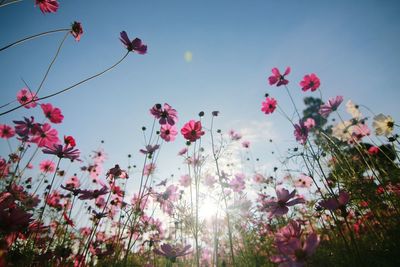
[(68, 88)]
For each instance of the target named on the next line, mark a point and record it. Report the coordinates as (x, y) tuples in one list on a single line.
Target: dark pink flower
[(45, 136), (12, 217), (277, 78), (301, 132), (47, 6), (134, 45), (166, 114), (117, 172), (310, 82), (92, 194), (52, 113), (172, 252), (69, 141), (6, 131), (279, 206), (76, 30), (192, 130), (335, 203), (168, 133), (269, 105), (62, 151), (309, 123), (26, 98), (373, 150), (47, 166), (24, 128), (330, 106), (4, 168)]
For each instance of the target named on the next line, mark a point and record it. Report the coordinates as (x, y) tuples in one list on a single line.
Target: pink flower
[(301, 132), (168, 133), (134, 45), (4, 168), (234, 135), (172, 252), (73, 182), (258, 178), (269, 105), (26, 98), (62, 152), (334, 203), (185, 180), (332, 105), (166, 114), (53, 199), (359, 131), (47, 6), (52, 113), (92, 194), (45, 136), (279, 206), (117, 172), (6, 131), (373, 150), (183, 151), (192, 130), (277, 78), (149, 169), (47, 166), (310, 82), (76, 30), (210, 181), (238, 184), (69, 141), (167, 197), (303, 181), (246, 144), (309, 123)]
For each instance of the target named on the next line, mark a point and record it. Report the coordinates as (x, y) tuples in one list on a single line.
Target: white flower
[(353, 110), (383, 124), (343, 131)]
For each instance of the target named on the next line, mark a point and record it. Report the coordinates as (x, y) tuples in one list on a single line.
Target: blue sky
[(351, 45)]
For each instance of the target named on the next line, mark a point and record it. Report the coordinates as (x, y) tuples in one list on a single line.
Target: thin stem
[(2, 4)]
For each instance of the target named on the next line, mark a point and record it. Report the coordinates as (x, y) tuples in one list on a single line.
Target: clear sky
[(353, 46)]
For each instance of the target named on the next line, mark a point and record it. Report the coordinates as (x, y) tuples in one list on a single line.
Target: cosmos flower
[(92, 194), (183, 151), (47, 166), (342, 131), (69, 141), (62, 152), (149, 169), (373, 150), (45, 136), (6, 131), (279, 206), (185, 180), (269, 105), (335, 203), (353, 110), (172, 252), (210, 180), (47, 6), (165, 114), (24, 128), (309, 123), (330, 106), (168, 133), (301, 132), (359, 131), (192, 130), (4, 168), (383, 124), (277, 78), (25, 97), (149, 149), (246, 144), (76, 30), (117, 172), (135, 45), (303, 181), (310, 82), (238, 184), (52, 113)]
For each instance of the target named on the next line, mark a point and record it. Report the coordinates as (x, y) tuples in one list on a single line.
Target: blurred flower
[(117, 172), (185, 180), (301, 132), (76, 30), (238, 184), (6, 131), (24, 128), (12, 217), (69, 141), (149, 169), (303, 181), (235, 135), (332, 105), (52, 113), (359, 131), (353, 110), (53, 199), (45, 135), (25, 96), (47, 166), (47, 6), (92, 194), (172, 252), (309, 123), (373, 150), (334, 203), (62, 152), (246, 144), (279, 206), (269, 105), (383, 124), (73, 182), (192, 130), (210, 180), (310, 82), (258, 178), (342, 131), (134, 45), (4, 168), (166, 114), (168, 133), (277, 78), (183, 151), (149, 149)]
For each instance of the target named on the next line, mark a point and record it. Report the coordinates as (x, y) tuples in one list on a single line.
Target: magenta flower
[(277, 78), (335, 203), (309, 123), (6, 131), (238, 184), (192, 130), (25, 97), (166, 114), (52, 113), (45, 135), (279, 206), (12, 217), (172, 252), (301, 132), (24, 128), (76, 30), (92, 194), (62, 152), (4, 168), (47, 166), (134, 45), (332, 105), (310, 82), (269, 105), (168, 133), (47, 6)]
